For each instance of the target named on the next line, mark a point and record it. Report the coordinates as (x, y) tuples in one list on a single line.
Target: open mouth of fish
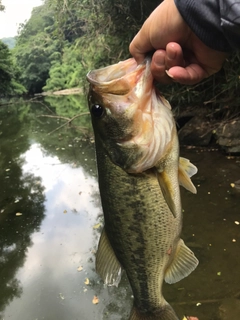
[(126, 91)]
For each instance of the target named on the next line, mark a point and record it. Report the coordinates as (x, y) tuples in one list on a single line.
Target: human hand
[(180, 55)]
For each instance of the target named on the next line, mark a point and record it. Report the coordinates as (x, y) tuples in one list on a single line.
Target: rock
[(195, 132), (228, 136), (230, 309)]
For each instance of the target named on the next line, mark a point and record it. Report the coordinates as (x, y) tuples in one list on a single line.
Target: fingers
[(163, 60), (141, 44), (174, 55), (158, 67), (190, 75)]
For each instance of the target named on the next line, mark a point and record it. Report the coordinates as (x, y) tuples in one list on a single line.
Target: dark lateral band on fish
[(139, 172)]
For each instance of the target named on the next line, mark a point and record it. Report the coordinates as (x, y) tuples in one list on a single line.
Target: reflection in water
[(49, 205), (62, 244), (47, 252)]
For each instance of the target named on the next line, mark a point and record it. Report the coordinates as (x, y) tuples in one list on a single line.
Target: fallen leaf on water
[(18, 214), (95, 300), (96, 226), (61, 296), (87, 281), (80, 268), (65, 211)]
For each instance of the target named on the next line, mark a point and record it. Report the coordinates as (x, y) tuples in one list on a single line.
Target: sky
[(16, 12)]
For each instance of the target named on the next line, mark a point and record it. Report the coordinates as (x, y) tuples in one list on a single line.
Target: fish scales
[(138, 228), (139, 172)]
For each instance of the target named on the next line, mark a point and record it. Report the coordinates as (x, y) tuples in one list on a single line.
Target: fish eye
[(97, 110)]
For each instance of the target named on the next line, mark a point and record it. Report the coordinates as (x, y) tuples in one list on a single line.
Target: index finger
[(140, 46)]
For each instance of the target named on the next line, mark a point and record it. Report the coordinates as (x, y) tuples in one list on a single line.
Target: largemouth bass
[(139, 172)]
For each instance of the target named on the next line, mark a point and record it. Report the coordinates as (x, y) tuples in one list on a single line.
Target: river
[(51, 219)]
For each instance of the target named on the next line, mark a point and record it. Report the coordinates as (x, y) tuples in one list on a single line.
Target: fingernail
[(170, 76)]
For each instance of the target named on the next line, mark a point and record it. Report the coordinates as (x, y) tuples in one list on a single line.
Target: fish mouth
[(117, 79)]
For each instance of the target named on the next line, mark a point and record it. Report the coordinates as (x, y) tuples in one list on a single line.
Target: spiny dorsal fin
[(107, 265), (184, 262), (185, 171)]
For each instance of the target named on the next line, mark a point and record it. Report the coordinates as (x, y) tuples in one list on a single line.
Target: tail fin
[(166, 313)]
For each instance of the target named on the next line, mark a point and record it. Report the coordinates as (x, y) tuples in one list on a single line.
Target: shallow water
[(51, 218)]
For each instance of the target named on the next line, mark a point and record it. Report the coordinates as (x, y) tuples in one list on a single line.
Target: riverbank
[(205, 127)]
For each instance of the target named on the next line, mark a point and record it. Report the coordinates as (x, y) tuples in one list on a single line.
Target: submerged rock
[(228, 137)]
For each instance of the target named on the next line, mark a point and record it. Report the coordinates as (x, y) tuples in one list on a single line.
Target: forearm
[(215, 22)]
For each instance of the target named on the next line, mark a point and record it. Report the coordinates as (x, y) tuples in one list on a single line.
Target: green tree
[(9, 73), (36, 49), (5, 66)]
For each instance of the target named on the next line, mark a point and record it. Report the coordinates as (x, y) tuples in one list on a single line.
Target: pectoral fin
[(170, 191), (184, 262), (107, 265), (185, 171)]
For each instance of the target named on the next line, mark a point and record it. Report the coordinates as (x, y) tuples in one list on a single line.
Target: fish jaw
[(137, 125), (117, 79)]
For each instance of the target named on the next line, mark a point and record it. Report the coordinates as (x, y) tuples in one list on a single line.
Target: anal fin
[(107, 265), (184, 262)]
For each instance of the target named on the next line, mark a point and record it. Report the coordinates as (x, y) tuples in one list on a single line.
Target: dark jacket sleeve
[(215, 22)]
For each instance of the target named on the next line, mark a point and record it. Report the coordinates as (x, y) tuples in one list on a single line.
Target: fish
[(139, 174)]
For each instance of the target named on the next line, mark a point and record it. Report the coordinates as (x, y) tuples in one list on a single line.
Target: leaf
[(96, 226), (80, 268), (87, 282), (61, 296), (95, 300), (65, 211)]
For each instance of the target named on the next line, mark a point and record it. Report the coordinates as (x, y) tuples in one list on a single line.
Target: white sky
[(16, 11)]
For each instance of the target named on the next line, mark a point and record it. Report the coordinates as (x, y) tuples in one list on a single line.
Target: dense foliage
[(9, 73), (64, 39)]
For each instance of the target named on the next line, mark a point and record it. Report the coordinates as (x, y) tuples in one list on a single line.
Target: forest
[(64, 39)]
